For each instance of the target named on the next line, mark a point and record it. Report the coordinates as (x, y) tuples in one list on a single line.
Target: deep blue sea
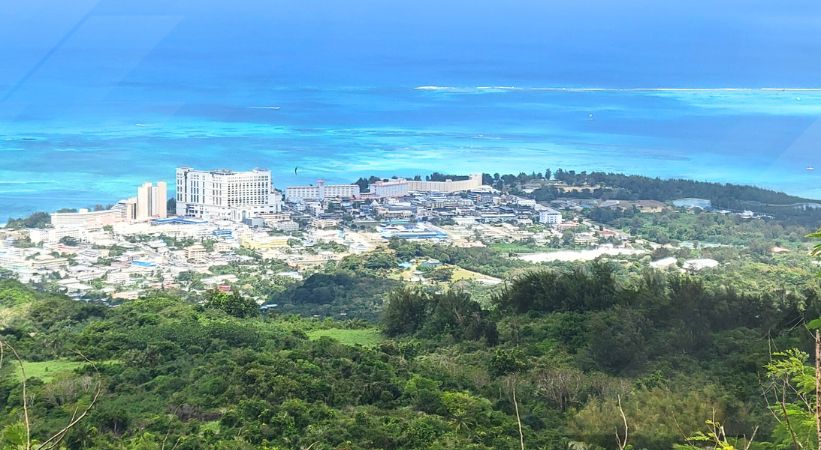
[(99, 96)]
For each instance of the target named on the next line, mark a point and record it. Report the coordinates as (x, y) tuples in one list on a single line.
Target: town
[(221, 218)]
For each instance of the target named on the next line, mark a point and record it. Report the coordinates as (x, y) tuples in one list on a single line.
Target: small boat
[(810, 168)]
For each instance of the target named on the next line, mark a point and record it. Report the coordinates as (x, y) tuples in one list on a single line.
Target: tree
[(790, 390), (816, 251), (362, 183), (69, 241), (233, 303), (405, 312), (36, 220)]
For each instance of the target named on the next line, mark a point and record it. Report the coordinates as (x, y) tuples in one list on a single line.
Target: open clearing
[(579, 255), (366, 337), (46, 370)]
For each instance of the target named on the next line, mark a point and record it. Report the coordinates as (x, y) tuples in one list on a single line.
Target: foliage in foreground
[(576, 347)]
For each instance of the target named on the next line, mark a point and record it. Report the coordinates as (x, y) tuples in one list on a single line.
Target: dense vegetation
[(36, 220), (678, 226), (333, 294), (617, 186), (574, 347)]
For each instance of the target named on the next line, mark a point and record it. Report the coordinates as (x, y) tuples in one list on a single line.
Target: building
[(474, 181), (225, 194), (152, 201), (692, 203), (650, 206), (85, 218), (401, 187), (263, 241), (321, 191), (127, 209), (550, 216), (196, 252), (391, 188), (418, 231)]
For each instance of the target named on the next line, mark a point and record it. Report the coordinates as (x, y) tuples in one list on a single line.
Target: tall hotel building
[(151, 201), (225, 194)]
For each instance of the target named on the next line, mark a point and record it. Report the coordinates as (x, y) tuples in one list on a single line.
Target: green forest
[(583, 357), (570, 356)]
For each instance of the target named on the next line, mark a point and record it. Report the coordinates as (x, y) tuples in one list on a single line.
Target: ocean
[(101, 96)]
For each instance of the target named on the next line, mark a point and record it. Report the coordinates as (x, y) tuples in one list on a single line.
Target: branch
[(55, 439), (518, 419), (752, 438), (25, 394), (783, 403), (621, 443)]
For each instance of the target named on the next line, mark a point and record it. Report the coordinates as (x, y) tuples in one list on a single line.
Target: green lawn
[(366, 337), (514, 247), (47, 370)]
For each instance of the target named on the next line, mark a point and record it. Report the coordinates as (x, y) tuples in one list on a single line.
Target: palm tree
[(816, 251)]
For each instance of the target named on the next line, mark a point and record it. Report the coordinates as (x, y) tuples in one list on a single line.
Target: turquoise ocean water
[(100, 96)]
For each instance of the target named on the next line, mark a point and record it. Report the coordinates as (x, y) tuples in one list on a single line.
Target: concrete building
[(196, 252), (474, 181), (152, 201), (262, 241), (85, 218), (392, 188), (127, 209), (225, 194), (321, 191), (550, 216), (401, 187), (692, 203)]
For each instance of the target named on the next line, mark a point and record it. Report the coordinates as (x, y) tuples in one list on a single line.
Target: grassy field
[(47, 370), (512, 247), (366, 337), (460, 274)]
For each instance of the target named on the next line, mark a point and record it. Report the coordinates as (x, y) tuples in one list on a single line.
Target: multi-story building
[(321, 191), (474, 181), (401, 187), (550, 216), (85, 218), (152, 201), (391, 188), (127, 209), (225, 194)]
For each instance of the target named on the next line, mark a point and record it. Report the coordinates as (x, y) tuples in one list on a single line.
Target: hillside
[(441, 373)]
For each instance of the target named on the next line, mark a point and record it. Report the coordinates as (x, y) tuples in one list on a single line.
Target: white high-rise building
[(151, 201), (225, 194)]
